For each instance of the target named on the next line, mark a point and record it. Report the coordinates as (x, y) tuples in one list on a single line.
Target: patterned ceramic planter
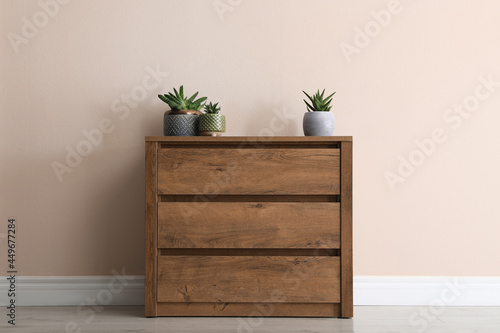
[(318, 123), (212, 124), (181, 123)]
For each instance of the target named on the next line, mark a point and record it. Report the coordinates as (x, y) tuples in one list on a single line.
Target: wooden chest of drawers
[(246, 226)]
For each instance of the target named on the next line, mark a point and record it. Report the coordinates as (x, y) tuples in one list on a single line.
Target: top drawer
[(191, 171)]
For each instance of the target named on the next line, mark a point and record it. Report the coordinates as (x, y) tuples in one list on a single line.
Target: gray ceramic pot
[(318, 123), (181, 123)]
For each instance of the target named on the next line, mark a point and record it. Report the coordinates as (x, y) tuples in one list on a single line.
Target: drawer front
[(249, 225), (248, 171), (248, 279)]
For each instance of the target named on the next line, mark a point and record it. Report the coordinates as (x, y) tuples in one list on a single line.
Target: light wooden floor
[(367, 319)]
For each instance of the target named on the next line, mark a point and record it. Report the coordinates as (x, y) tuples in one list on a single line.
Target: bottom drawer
[(276, 279)]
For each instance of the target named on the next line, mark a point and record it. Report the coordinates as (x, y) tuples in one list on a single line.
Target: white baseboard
[(427, 290), (75, 290), (368, 290)]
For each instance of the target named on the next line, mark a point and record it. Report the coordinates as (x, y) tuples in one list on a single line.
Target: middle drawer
[(249, 225)]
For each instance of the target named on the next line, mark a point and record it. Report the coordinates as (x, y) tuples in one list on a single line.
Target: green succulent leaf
[(212, 108), (163, 98), (318, 102), (321, 96), (191, 99), (309, 107), (308, 96), (177, 101)]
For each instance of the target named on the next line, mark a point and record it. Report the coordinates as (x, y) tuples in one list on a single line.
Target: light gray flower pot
[(318, 123)]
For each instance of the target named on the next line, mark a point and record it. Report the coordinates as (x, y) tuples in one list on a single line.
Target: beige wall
[(255, 57)]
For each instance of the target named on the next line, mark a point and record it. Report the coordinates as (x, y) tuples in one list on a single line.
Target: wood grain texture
[(151, 230), (249, 225), (249, 309), (248, 171), (261, 200), (346, 230), (249, 279)]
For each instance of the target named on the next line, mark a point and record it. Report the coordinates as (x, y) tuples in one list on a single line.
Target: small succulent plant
[(177, 101), (318, 102), (212, 108)]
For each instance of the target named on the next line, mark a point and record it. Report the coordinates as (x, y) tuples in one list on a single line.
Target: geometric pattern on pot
[(212, 123), (180, 125)]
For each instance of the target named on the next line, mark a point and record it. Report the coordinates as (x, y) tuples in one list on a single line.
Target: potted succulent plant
[(212, 123), (182, 119), (318, 121)]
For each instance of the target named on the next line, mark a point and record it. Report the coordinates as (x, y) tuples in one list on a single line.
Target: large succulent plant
[(318, 102), (212, 108), (177, 101)]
